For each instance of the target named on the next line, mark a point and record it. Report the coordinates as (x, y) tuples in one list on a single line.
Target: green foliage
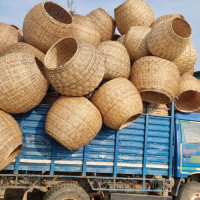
[(71, 7)]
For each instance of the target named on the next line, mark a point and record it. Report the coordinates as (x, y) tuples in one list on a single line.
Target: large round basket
[(104, 22), (156, 79), (133, 13), (156, 109), (119, 103), (136, 42), (73, 122), (169, 39), (116, 59), (22, 85), (10, 139), (189, 94), (45, 24), (74, 68)]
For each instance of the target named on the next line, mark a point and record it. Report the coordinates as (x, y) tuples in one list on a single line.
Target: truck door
[(190, 147)]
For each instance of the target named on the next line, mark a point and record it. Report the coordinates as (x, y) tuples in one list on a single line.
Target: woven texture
[(133, 13), (189, 94), (166, 17), (20, 33), (156, 109), (74, 68), (8, 35), (136, 42), (186, 61), (104, 23), (121, 39), (85, 29), (22, 85), (119, 103), (45, 24), (10, 139), (116, 59), (73, 122), (156, 79), (169, 39)]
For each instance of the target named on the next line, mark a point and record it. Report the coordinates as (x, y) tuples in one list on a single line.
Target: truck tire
[(189, 191), (66, 191)]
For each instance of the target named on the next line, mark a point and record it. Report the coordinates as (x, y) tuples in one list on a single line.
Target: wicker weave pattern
[(133, 13), (189, 94), (169, 39), (73, 122), (10, 139), (156, 109), (136, 42), (22, 85), (74, 68), (117, 61), (45, 24), (104, 22), (119, 103), (20, 33), (156, 79)]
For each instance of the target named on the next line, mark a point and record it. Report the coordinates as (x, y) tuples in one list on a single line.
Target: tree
[(71, 7)]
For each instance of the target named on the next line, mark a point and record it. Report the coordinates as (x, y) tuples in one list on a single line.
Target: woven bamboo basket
[(45, 24), (189, 94), (116, 59), (156, 79), (8, 35), (22, 85), (20, 35), (156, 109), (133, 13), (186, 61), (121, 39), (166, 17), (119, 103), (74, 68), (136, 42), (10, 139), (85, 29), (73, 121), (169, 39), (104, 23)]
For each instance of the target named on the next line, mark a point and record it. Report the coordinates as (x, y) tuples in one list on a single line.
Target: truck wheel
[(66, 191), (189, 191)]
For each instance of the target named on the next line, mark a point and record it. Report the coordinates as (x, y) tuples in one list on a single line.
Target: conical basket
[(186, 61), (169, 39), (121, 39), (136, 42), (119, 103), (22, 85), (104, 22), (133, 13), (45, 24), (189, 94), (10, 139), (116, 59), (156, 79), (73, 122), (74, 68), (156, 109)]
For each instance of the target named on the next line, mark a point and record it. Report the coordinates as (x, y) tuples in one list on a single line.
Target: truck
[(156, 157)]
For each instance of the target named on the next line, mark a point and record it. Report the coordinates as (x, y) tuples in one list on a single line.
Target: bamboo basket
[(22, 85), (156, 79), (169, 39), (186, 61), (116, 59), (73, 122), (166, 17), (156, 109), (119, 103), (85, 29), (133, 13), (74, 68), (11, 139), (8, 35), (45, 24), (189, 94), (136, 42), (121, 39), (104, 22), (20, 33)]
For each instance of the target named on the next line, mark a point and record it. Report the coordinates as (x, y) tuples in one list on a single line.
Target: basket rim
[(127, 1)]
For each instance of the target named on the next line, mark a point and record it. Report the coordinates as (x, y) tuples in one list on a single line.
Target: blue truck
[(156, 157)]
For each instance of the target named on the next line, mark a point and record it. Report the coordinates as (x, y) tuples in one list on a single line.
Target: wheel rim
[(195, 196)]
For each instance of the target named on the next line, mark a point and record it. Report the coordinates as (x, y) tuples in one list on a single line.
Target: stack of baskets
[(94, 80)]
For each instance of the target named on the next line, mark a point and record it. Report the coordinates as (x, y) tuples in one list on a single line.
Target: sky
[(14, 11)]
